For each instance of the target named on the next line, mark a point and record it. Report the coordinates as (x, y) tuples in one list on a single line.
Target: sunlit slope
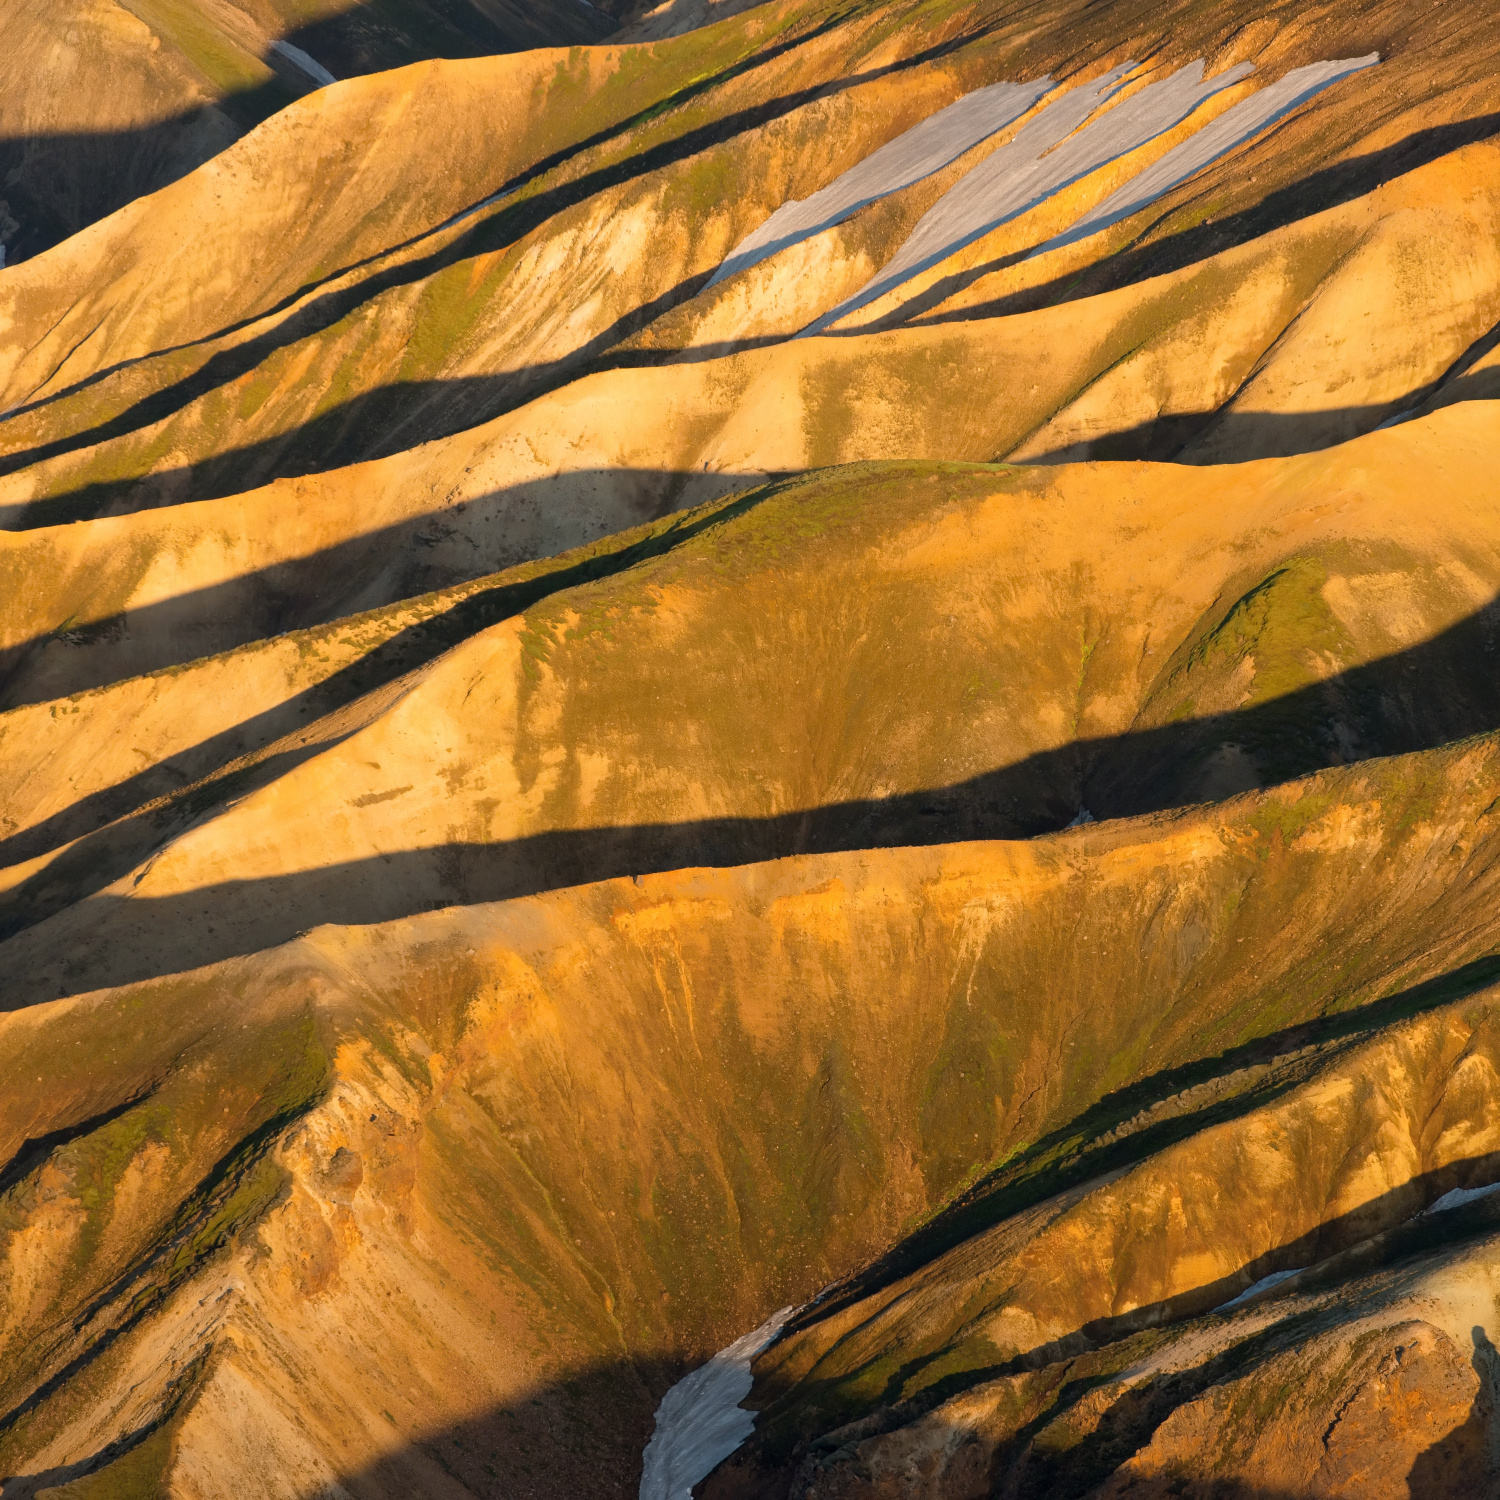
[(1101, 637), (495, 1171), (554, 801), (289, 309), (1246, 352), (95, 110), (103, 102), (1019, 1349)]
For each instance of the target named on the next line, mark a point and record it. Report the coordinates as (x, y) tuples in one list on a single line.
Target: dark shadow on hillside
[(1443, 690), (1111, 1134), (501, 191), (1242, 436), (1233, 435), (388, 567), (579, 1436), (490, 228), (56, 185), (604, 1415), (395, 418), (1338, 1252), (1446, 1468), (360, 431), (375, 35), (213, 768), (376, 424), (1327, 188)]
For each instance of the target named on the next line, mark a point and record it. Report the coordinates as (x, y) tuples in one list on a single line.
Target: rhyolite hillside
[(104, 101), (553, 803)]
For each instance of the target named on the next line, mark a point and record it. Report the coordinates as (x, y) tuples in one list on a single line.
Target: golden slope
[(559, 1144), (650, 165), (1117, 637)]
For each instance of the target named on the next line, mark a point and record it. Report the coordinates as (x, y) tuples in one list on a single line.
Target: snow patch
[(309, 65), (1232, 129), (1076, 134), (1080, 132), (1265, 1282), (1084, 816), (1457, 1197), (913, 155), (700, 1421)]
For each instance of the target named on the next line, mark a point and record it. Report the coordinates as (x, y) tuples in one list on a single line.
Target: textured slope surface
[(1222, 646), (504, 1058), (106, 100), (544, 817)]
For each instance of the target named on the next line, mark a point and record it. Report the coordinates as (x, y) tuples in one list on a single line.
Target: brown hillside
[(552, 805)]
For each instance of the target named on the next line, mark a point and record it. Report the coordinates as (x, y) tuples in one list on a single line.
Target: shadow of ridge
[(1279, 434), (581, 1434), (1329, 187), (1344, 1244), (522, 179), (1074, 1152), (57, 185), (33, 1151), (355, 581), (509, 222), (379, 423), (137, 1462), (175, 792), (1448, 1466), (393, 419), (1239, 436), (1437, 693), (47, 176), (374, 36)]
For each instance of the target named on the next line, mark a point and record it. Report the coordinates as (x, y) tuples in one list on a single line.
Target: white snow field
[(309, 65), (1457, 1197), (1265, 1282), (1233, 128), (700, 1421), (913, 155), (1046, 155)]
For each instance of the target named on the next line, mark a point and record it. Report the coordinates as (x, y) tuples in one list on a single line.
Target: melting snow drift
[(309, 65), (918, 153), (1265, 1282), (1457, 1197), (700, 1421)]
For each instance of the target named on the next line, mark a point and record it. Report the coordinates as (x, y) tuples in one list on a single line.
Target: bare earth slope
[(554, 802), (107, 100)]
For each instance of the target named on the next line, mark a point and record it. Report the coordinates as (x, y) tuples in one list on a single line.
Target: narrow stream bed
[(700, 1421)]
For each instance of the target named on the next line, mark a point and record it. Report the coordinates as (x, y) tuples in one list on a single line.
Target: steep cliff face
[(565, 785)]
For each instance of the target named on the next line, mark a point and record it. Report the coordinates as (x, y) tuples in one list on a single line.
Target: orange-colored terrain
[(546, 815)]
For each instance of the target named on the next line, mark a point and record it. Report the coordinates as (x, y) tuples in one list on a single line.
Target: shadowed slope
[(1093, 636), (105, 103), (357, 334), (537, 1110)]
